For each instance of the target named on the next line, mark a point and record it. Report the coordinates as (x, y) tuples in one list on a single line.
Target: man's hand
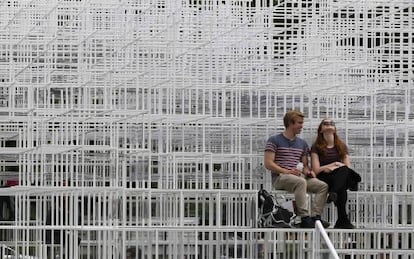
[(294, 171)]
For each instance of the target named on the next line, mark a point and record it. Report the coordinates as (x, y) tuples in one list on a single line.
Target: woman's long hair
[(321, 144)]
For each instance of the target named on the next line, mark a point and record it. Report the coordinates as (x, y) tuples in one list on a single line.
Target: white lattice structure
[(142, 123)]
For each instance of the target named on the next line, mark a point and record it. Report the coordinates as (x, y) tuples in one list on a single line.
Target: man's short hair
[(130, 253), (291, 116)]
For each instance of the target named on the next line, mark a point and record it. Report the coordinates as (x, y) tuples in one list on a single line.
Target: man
[(284, 155)]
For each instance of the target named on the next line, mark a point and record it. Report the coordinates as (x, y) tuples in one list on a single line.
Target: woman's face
[(327, 125)]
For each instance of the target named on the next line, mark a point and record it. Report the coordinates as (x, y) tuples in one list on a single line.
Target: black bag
[(353, 179), (271, 214)]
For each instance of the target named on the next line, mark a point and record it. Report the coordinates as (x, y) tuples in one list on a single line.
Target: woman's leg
[(338, 179), (341, 205)]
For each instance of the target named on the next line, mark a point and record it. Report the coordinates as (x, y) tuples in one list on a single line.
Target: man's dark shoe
[(307, 222), (332, 197), (325, 224)]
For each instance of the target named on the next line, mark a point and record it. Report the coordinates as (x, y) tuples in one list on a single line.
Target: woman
[(330, 162)]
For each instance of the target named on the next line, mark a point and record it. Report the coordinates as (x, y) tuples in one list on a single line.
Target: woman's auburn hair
[(321, 144)]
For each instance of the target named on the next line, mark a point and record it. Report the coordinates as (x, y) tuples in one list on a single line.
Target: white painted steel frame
[(137, 114)]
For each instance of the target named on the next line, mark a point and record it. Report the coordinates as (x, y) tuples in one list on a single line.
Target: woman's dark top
[(332, 155)]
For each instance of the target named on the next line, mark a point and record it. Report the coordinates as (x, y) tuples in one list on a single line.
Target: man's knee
[(300, 183), (324, 187), (318, 186)]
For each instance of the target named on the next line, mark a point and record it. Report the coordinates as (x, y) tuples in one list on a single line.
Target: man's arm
[(269, 162), (306, 169)]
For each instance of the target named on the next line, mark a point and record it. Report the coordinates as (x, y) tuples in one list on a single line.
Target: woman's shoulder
[(314, 149)]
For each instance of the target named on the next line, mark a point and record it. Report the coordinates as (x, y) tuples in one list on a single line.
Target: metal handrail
[(320, 229)]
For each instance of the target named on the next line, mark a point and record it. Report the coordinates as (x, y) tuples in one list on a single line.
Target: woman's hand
[(332, 166), (339, 164), (311, 174)]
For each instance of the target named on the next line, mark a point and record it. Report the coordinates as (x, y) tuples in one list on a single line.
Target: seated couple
[(330, 175)]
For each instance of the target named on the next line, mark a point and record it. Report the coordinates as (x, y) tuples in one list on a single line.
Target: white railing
[(322, 239)]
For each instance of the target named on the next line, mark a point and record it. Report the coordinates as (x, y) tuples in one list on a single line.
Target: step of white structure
[(190, 223)]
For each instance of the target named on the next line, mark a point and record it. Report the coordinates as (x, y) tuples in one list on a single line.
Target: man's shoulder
[(301, 143), (276, 138), (301, 140)]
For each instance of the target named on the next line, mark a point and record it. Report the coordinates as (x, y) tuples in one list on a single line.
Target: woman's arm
[(347, 161), (317, 168), (315, 163)]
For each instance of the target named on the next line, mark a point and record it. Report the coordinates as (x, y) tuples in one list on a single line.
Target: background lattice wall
[(150, 113)]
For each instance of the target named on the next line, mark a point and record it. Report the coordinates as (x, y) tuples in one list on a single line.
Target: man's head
[(293, 120), (130, 253)]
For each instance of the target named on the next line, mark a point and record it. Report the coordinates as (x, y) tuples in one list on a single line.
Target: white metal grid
[(155, 113)]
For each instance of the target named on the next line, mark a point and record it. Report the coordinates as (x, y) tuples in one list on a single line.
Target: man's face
[(297, 125)]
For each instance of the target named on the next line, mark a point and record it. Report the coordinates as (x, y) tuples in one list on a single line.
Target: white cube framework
[(141, 124)]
